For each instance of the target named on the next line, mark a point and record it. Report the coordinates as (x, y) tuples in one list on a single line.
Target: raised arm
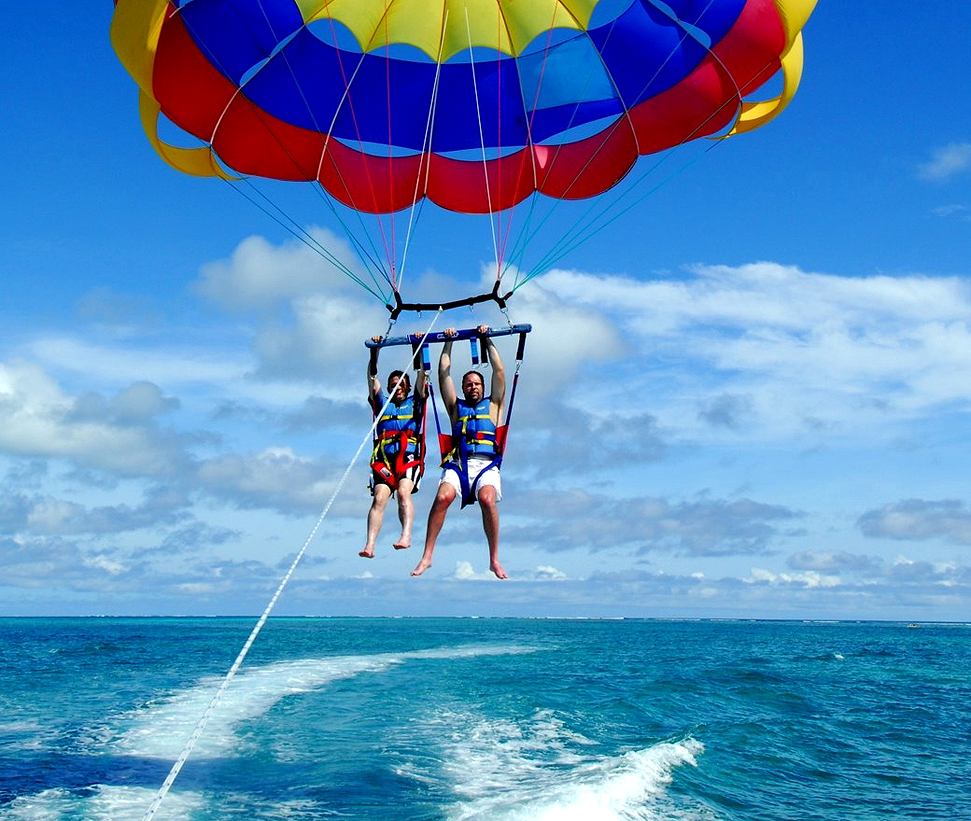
[(373, 383), (498, 391), (446, 386), (421, 381)]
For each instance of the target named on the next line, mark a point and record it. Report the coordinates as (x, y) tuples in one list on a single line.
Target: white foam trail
[(160, 730), (502, 770), (106, 804)]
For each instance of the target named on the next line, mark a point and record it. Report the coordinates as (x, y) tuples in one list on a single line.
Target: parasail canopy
[(475, 104)]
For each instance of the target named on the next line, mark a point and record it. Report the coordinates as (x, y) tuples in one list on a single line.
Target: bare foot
[(367, 553), (402, 544), (496, 568), (421, 567)]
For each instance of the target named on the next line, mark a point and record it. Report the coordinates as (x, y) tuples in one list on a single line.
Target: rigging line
[(354, 241), (259, 112), (360, 141), (241, 657), (427, 139), (589, 78), (551, 259), (530, 116), (318, 186), (500, 21), (314, 246), (570, 238), (687, 33), (478, 114), (387, 83)]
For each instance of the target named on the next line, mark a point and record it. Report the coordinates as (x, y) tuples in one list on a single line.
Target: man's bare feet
[(496, 568), (421, 567), (367, 553)]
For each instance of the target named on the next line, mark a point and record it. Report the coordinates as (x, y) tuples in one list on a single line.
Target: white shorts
[(490, 478)]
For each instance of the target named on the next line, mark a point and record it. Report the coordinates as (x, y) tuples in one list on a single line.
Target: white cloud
[(258, 274), (946, 162), (38, 419), (464, 572), (546, 572), (809, 578), (325, 339), (856, 350)]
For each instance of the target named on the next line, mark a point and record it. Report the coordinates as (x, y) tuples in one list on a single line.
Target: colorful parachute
[(474, 104), (276, 88)]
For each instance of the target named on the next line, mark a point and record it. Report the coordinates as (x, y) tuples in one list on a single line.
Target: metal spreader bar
[(439, 336)]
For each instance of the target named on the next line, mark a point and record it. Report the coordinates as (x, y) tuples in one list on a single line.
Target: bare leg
[(490, 524), (436, 518), (406, 513), (375, 517)]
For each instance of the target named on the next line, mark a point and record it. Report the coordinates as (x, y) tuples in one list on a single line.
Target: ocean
[(487, 719)]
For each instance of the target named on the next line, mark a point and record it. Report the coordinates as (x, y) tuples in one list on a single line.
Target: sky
[(747, 397)]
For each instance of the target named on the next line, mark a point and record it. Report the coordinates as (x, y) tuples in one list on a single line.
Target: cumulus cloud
[(809, 578), (919, 519), (946, 162), (37, 419), (856, 350), (259, 275)]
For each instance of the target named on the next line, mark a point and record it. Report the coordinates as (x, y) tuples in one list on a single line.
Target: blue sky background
[(747, 397)]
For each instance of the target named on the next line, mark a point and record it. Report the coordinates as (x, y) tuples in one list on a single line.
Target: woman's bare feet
[(367, 553), (402, 544)]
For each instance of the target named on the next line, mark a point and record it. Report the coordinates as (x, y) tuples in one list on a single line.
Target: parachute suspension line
[(387, 82), (573, 237), (241, 657), (360, 142), (362, 254), (606, 138), (527, 232), (426, 143), (317, 184), (515, 256), (592, 229), (577, 236), (305, 237), (283, 148), (478, 114)]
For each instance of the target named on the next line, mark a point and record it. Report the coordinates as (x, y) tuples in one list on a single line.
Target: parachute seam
[(429, 131), (478, 114)]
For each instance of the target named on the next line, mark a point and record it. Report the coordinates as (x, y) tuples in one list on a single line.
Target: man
[(397, 460), (472, 468)]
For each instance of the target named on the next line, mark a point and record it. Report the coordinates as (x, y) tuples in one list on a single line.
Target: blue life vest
[(474, 432), (395, 419)]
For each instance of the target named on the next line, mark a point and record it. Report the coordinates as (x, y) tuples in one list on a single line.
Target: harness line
[(214, 702)]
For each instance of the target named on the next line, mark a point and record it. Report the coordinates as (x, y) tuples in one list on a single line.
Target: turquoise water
[(487, 719)]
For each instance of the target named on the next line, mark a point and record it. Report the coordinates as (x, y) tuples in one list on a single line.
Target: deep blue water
[(487, 718)]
